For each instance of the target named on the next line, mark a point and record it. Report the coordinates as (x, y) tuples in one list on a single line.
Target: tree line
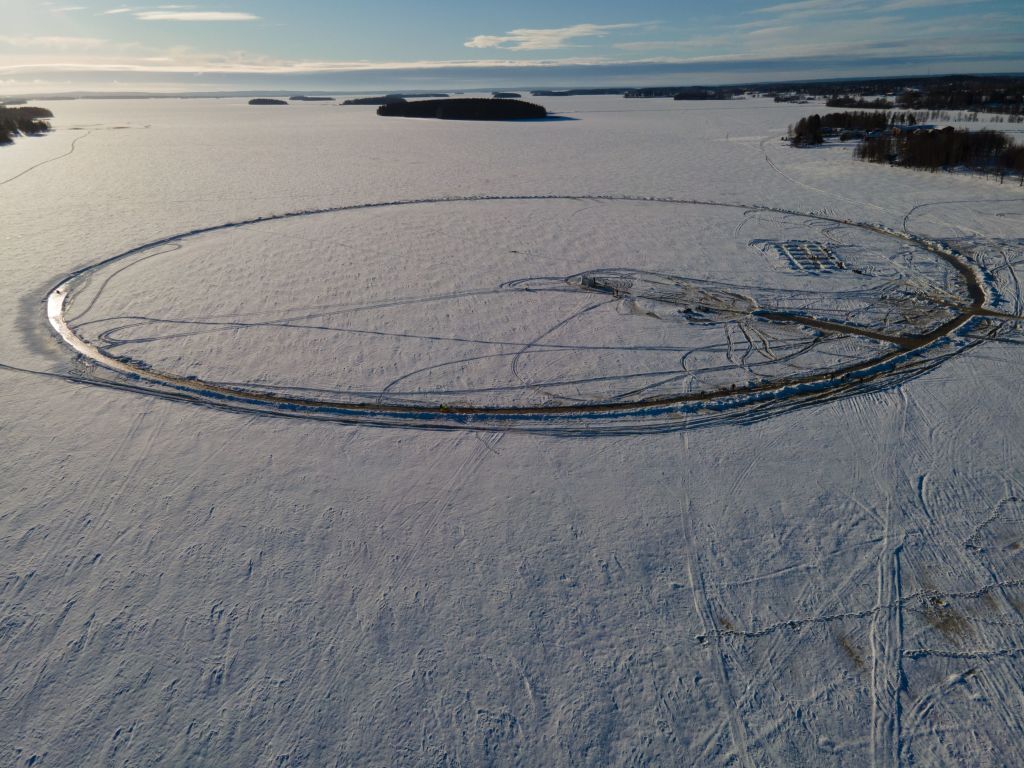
[(1006, 99), (985, 151), (892, 138), (465, 109), (811, 130), (855, 102)]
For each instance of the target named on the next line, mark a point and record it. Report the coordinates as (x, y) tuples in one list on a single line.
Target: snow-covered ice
[(773, 566)]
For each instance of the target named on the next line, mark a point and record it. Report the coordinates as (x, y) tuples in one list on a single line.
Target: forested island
[(855, 102), (373, 101), (947, 148), (506, 95), (268, 103), (23, 121), (898, 138), (847, 125), (465, 109), (704, 94), (310, 98)]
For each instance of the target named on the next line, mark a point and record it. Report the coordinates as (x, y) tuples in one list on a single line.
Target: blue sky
[(67, 44)]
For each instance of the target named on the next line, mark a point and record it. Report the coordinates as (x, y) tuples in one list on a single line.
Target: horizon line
[(276, 90)]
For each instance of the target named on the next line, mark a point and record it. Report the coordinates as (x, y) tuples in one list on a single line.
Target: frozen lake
[(443, 443)]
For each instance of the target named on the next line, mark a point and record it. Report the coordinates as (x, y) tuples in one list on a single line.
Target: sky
[(63, 45)]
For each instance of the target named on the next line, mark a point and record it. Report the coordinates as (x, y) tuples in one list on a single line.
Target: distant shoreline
[(878, 82)]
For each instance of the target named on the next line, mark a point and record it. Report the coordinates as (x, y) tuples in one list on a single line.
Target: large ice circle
[(473, 311)]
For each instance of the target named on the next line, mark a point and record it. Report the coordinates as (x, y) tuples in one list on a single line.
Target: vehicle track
[(28, 170), (540, 416)]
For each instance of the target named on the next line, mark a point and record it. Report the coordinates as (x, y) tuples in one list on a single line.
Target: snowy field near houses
[(636, 438)]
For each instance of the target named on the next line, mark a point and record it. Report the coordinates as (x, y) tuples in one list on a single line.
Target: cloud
[(194, 16), (113, 11), (901, 5), (809, 46), (812, 7), (545, 39), (69, 8), (803, 55), (806, 9), (53, 41), (769, 31)]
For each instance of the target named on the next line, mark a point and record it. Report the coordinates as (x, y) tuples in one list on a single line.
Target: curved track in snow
[(659, 413)]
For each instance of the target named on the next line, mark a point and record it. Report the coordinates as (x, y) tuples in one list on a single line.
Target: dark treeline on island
[(465, 109), (855, 102), (22, 121), (268, 103), (704, 94), (847, 125), (947, 148), (506, 95), (897, 138), (373, 101), (310, 98)]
